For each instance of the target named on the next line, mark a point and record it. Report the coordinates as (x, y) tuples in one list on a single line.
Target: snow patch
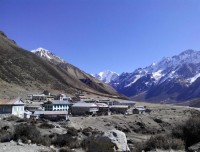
[(157, 75), (137, 77), (47, 54), (106, 76), (193, 79)]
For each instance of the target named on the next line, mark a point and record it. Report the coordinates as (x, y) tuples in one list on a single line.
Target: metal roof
[(50, 113), (39, 95), (118, 106), (101, 105), (140, 108), (11, 101), (58, 102), (84, 104), (124, 101)]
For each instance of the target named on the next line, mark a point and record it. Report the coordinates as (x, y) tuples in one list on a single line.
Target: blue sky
[(98, 35)]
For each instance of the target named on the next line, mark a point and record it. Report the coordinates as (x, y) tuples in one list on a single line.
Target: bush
[(12, 118), (46, 125), (66, 140), (72, 131), (87, 131), (5, 136), (21, 120), (164, 142), (158, 120), (27, 132), (189, 132)]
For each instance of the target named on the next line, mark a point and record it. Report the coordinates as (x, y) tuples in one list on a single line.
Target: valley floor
[(137, 127)]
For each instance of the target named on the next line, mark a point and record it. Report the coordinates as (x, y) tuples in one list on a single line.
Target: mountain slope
[(22, 71), (106, 76), (172, 79)]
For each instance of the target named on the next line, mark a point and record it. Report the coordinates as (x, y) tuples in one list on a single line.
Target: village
[(79, 122), (62, 107)]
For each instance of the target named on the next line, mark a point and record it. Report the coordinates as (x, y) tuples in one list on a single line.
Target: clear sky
[(98, 35)]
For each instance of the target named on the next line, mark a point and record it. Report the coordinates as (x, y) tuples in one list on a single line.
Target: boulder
[(20, 143), (110, 141), (194, 148)]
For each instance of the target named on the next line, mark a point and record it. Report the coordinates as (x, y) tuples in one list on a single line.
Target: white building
[(14, 106), (57, 105)]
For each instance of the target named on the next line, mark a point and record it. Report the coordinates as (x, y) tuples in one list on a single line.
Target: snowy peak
[(106, 76), (167, 78), (48, 55), (169, 66)]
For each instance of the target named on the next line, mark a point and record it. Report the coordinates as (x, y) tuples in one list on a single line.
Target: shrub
[(46, 125), (5, 128), (66, 140), (5, 136), (140, 146), (189, 132), (87, 131), (164, 142), (177, 132), (72, 131), (21, 120), (158, 120), (12, 118), (27, 132), (45, 140)]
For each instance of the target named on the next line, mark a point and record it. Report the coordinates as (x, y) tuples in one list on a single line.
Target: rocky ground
[(137, 127), (14, 147)]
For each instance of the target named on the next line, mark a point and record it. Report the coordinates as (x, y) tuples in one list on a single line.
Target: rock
[(110, 141), (29, 142), (19, 142), (194, 148)]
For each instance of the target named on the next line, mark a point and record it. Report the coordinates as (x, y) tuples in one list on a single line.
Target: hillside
[(24, 72)]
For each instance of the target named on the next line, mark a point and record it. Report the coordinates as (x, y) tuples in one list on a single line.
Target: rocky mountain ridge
[(174, 78)]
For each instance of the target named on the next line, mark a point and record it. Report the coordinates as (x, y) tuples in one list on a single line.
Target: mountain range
[(173, 79), (22, 72)]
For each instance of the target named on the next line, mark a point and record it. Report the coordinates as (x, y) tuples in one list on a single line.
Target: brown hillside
[(23, 72)]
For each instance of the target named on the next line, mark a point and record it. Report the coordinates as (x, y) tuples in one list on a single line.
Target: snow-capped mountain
[(48, 55), (74, 75), (170, 79), (106, 76)]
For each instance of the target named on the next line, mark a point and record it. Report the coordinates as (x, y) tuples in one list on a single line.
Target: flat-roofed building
[(83, 108), (51, 115), (14, 107), (57, 105), (34, 106), (38, 97), (119, 109), (103, 108)]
